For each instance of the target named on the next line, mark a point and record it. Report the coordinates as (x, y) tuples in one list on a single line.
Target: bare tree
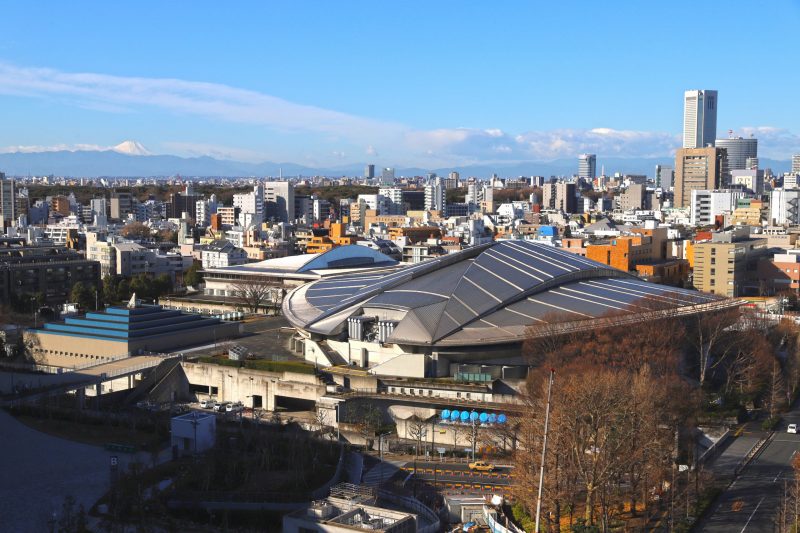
[(711, 338), (417, 429), (252, 293)]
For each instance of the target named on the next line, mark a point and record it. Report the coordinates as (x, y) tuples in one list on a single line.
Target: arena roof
[(486, 294), (312, 266)]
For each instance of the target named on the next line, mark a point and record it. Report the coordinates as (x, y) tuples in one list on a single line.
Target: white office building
[(376, 202), (587, 166), (251, 206), (784, 207), (699, 118), (394, 199), (707, 205), (435, 196)]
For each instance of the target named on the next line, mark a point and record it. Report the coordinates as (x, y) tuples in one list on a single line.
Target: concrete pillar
[(130, 381), (80, 397), (270, 399)]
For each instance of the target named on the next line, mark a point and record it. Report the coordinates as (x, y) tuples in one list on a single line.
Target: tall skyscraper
[(739, 151), (369, 171), (796, 164), (8, 202), (699, 118), (587, 166), (702, 169), (387, 176)]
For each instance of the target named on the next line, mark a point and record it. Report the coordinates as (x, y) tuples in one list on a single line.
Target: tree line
[(626, 403)]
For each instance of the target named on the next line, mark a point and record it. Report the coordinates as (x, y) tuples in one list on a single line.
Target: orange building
[(60, 205), (336, 237), (622, 253)]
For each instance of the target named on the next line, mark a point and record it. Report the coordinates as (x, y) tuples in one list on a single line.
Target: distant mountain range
[(131, 159)]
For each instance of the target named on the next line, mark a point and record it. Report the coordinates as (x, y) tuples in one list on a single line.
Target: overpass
[(27, 387)]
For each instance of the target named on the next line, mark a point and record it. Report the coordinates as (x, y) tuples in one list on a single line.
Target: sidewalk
[(724, 466)]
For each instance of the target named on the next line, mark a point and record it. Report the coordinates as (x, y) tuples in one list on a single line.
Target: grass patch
[(261, 364)]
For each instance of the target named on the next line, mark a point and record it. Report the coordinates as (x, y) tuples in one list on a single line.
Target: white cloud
[(213, 100), (332, 133), (191, 149), (775, 143), (31, 148)]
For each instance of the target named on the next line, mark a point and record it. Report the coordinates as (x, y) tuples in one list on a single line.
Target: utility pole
[(544, 448)]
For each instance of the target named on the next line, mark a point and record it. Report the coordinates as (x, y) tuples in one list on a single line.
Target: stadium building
[(470, 311)]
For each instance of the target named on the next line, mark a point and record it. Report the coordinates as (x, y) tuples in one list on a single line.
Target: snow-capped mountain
[(131, 148)]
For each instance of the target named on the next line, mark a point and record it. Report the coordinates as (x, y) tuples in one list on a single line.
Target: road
[(459, 476), (752, 502)]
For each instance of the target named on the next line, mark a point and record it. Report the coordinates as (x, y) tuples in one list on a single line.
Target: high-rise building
[(387, 176), (699, 118), (587, 166), (664, 177), (560, 196), (394, 199), (8, 205), (369, 172), (698, 169), (435, 195), (251, 204), (279, 201), (739, 151), (121, 205), (796, 164)]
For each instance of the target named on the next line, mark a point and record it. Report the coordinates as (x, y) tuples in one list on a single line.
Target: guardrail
[(754, 451)]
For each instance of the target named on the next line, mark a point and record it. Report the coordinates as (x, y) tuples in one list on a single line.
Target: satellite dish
[(445, 414)]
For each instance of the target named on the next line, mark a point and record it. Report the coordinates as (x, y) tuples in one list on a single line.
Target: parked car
[(220, 407), (207, 403), (234, 407), (481, 466), (792, 428)]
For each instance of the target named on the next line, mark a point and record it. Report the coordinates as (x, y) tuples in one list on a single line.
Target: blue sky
[(428, 84)]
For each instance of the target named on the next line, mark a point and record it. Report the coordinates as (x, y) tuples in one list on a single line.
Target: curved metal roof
[(486, 294)]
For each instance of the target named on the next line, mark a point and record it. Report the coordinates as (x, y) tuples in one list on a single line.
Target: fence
[(491, 519), (432, 519)]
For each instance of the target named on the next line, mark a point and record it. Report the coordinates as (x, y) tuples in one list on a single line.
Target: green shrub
[(770, 423)]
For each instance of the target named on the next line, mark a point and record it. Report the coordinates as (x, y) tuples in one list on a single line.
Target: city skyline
[(377, 84)]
